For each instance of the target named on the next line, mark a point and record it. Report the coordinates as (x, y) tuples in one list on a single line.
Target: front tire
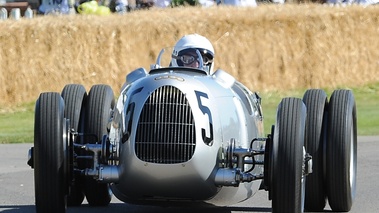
[(288, 185), (50, 154), (341, 152)]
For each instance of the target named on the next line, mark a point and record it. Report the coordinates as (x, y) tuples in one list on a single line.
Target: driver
[(187, 49)]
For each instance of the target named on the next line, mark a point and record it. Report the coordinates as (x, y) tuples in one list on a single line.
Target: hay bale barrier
[(270, 47)]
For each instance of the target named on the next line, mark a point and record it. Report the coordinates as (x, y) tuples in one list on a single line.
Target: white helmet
[(191, 44)]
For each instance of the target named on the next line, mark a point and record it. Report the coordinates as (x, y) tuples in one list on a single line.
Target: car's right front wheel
[(50, 154)]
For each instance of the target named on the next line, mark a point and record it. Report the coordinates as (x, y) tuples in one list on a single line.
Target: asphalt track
[(17, 187)]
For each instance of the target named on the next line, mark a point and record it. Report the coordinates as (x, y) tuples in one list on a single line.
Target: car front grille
[(166, 129)]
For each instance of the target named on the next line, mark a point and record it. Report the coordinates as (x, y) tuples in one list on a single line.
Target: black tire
[(341, 151), (315, 137), (99, 104), (50, 152), (74, 96), (288, 186)]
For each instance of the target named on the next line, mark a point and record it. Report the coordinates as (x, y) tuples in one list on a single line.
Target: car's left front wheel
[(287, 163)]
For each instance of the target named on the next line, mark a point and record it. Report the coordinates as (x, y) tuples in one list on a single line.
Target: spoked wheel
[(341, 151), (74, 96), (288, 183), (50, 153), (315, 137), (99, 105)]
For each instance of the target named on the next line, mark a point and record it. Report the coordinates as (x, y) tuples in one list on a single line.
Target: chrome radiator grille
[(166, 129)]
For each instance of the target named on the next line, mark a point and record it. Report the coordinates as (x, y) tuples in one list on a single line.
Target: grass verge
[(16, 125)]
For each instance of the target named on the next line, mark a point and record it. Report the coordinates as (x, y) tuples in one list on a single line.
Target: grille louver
[(166, 129)]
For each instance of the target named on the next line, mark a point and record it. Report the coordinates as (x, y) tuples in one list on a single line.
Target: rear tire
[(315, 137), (288, 185), (99, 105), (50, 154), (341, 152), (74, 96)]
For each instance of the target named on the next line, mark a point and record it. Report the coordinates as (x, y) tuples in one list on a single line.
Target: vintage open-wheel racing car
[(184, 135)]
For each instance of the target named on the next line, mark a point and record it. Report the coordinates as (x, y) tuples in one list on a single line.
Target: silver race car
[(186, 136)]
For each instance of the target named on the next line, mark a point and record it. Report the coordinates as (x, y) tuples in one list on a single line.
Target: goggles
[(188, 58)]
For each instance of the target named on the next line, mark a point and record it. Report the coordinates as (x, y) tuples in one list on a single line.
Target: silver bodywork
[(171, 132)]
